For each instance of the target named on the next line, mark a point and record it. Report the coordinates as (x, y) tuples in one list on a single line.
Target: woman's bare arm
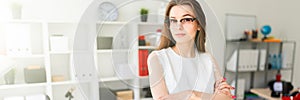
[(156, 77)]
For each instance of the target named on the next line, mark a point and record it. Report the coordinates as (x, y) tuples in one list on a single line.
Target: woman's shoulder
[(205, 55), (157, 55), (156, 58), (159, 52)]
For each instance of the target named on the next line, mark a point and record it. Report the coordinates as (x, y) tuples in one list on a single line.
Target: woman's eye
[(187, 20)]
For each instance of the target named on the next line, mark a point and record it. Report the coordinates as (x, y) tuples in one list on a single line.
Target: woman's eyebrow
[(182, 16), (187, 15)]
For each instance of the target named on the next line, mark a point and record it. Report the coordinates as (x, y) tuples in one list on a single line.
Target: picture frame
[(236, 24)]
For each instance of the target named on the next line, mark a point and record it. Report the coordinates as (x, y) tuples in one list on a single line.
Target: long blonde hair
[(167, 40)]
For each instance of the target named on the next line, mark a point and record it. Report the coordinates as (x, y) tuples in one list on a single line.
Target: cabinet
[(118, 63), (29, 43), (115, 54), (248, 64)]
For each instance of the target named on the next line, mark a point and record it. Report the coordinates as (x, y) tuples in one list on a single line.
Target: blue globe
[(266, 29)]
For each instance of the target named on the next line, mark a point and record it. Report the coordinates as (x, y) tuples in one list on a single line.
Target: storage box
[(263, 57), (107, 93), (59, 43), (124, 95), (247, 60), (34, 74), (58, 78), (104, 42)]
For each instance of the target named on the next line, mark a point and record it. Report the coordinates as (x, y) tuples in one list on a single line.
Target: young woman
[(181, 68)]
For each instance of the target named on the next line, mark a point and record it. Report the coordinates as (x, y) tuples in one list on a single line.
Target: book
[(143, 68)]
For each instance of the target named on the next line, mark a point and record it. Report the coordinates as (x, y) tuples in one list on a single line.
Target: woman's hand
[(222, 88)]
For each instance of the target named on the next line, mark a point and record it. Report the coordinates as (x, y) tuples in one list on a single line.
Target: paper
[(18, 39)]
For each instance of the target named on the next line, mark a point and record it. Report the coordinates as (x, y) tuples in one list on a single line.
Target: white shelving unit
[(55, 63), (128, 32), (111, 64)]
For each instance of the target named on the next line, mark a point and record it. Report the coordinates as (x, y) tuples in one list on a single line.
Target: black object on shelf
[(142, 41), (254, 34), (148, 92), (279, 87)]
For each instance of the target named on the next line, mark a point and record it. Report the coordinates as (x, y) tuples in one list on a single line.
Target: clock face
[(108, 11)]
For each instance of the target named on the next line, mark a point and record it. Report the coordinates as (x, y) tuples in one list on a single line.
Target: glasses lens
[(186, 20), (173, 21)]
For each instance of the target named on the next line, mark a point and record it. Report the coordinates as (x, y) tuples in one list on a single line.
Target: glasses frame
[(168, 21)]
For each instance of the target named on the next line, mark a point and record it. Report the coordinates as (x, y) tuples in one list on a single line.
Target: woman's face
[(183, 24)]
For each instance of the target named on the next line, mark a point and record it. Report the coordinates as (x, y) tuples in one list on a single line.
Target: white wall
[(57, 10), (282, 15)]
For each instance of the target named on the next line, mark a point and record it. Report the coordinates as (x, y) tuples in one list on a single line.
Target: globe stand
[(265, 37), (266, 30)]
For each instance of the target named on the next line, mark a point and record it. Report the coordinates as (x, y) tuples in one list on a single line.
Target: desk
[(264, 92)]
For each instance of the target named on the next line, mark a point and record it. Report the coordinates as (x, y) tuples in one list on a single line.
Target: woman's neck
[(186, 49)]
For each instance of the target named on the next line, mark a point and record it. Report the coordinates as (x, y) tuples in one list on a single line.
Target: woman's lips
[(180, 34)]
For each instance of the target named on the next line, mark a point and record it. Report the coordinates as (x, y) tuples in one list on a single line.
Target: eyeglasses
[(182, 21)]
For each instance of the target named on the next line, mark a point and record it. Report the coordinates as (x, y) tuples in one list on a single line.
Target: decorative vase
[(16, 10), (144, 18)]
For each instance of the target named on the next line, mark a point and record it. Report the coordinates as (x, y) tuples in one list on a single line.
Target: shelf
[(280, 69), (111, 22), (147, 47), (21, 21), (123, 23), (22, 85), (144, 77), (146, 99), (60, 52), (64, 83), (240, 71), (258, 70), (28, 56), (151, 24), (108, 79), (61, 22), (112, 50), (237, 41), (104, 51)]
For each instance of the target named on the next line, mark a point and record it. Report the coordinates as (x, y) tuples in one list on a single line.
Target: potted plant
[(144, 14), (16, 9)]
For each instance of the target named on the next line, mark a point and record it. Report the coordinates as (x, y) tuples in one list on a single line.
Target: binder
[(143, 68)]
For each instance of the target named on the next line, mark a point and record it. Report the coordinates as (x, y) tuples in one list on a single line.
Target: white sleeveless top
[(182, 73)]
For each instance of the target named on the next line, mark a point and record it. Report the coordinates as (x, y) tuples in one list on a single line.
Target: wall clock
[(108, 11)]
